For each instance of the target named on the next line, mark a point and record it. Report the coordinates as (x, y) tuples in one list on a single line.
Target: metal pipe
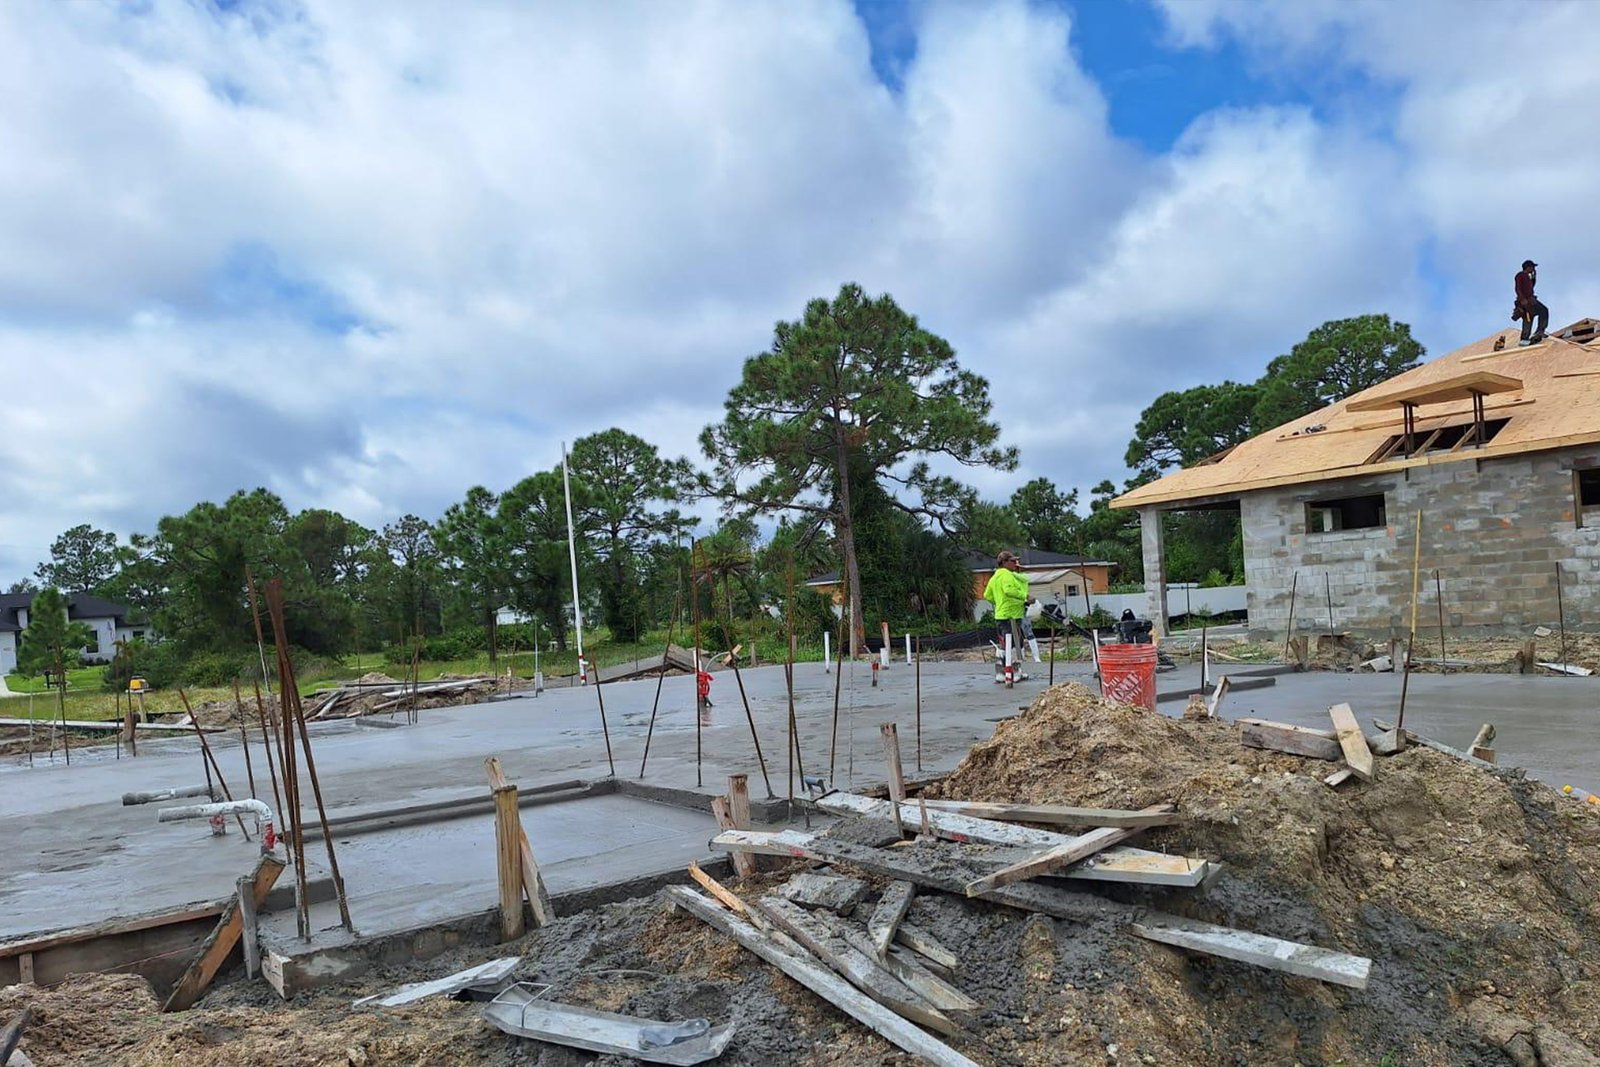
[(171, 793)]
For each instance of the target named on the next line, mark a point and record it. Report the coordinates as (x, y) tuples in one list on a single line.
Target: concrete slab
[(76, 856)]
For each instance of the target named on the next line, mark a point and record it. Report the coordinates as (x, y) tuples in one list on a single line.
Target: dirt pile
[(1462, 885)]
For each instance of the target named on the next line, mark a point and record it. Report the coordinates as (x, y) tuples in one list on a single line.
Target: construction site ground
[(1303, 862)]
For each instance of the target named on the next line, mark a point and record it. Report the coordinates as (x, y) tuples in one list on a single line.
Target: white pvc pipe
[(883, 656), (827, 654), (572, 556), (226, 807), (255, 807), (908, 650), (171, 793), (1011, 653)]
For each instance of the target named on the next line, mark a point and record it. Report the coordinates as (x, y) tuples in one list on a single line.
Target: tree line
[(844, 430)]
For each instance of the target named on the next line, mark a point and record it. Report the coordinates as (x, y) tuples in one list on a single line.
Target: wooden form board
[(1057, 814), (1357, 755), (821, 981)]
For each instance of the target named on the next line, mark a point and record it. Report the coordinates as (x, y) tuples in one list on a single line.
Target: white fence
[(1182, 599)]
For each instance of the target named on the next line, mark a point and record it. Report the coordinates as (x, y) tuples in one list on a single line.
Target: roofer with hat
[(1528, 307)]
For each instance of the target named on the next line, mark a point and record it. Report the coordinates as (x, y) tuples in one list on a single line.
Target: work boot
[(1536, 339), (1524, 343)]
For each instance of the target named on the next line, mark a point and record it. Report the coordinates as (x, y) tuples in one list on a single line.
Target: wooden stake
[(724, 816), (919, 688), (532, 881), (1438, 593), (217, 947), (508, 862), (897, 781)]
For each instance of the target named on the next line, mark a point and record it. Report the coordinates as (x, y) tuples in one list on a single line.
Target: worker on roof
[(1528, 307), (1008, 592)]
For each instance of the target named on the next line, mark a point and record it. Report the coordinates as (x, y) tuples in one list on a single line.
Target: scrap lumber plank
[(1567, 668), (904, 965), (1142, 867), (821, 981), (1307, 961), (724, 895), (1438, 746), (215, 949), (854, 965), (733, 903), (1338, 777), (1079, 848), (484, 974), (1385, 742), (1216, 696), (886, 917), (12, 1034), (948, 825), (921, 977), (1354, 743), (1058, 814), (1482, 742), (744, 865), (832, 891), (1294, 740), (925, 945), (950, 877), (532, 881), (1083, 907)]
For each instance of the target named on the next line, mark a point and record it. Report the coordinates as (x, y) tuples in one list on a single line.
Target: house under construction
[(1493, 451)]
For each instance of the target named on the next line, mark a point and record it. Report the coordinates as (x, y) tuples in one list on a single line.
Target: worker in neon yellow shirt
[(1008, 592)]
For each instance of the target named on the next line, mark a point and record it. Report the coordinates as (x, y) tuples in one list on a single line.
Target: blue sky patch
[(253, 280)]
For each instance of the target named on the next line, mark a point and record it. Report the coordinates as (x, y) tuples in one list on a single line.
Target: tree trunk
[(492, 628), (844, 526)]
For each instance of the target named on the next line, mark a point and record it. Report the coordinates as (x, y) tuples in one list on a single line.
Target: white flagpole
[(572, 555)]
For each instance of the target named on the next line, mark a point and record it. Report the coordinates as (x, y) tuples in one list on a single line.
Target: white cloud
[(546, 220)]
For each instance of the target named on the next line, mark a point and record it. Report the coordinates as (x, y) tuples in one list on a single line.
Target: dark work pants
[(1529, 311)]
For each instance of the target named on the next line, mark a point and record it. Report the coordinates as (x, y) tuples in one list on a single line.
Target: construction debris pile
[(1439, 912)]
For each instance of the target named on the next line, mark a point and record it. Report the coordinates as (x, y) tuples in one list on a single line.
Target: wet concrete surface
[(74, 855)]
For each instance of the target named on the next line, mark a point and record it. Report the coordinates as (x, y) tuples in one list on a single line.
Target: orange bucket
[(1128, 674)]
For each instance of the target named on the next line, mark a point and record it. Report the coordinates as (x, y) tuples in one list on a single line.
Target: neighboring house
[(1049, 574), (105, 619), (1495, 447)]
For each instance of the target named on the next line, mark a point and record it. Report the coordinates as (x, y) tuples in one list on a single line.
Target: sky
[(370, 254)]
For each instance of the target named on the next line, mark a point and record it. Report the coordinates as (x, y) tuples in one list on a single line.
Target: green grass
[(97, 704), (80, 678)]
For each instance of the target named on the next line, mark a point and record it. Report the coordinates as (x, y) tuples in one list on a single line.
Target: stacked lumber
[(867, 959)]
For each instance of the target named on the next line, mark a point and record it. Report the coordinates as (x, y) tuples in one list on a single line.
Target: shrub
[(210, 669), (159, 664)]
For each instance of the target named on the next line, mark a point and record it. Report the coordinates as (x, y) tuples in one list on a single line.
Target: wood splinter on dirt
[(886, 917)]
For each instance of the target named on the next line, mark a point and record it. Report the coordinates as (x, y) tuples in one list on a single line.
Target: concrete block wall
[(1495, 531)]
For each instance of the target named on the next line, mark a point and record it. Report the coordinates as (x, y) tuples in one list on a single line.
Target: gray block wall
[(1495, 530)]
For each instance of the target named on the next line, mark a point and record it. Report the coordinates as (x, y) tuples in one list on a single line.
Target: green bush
[(212, 669), (457, 644), (158, 664)]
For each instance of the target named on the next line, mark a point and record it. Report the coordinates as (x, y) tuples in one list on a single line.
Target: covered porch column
[(1155, 567)]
